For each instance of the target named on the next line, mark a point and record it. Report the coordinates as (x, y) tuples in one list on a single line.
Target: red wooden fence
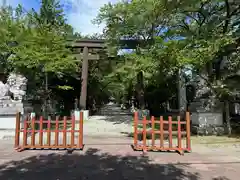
[(148, 134), (57, 137)]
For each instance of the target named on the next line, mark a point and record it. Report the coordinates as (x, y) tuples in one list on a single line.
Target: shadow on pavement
[(120, 119), (113, 113), (91, 165)]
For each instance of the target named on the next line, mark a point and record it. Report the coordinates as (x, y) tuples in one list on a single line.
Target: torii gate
[(85, 47)]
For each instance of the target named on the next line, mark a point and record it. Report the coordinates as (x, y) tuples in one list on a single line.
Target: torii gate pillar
[(84, 79)]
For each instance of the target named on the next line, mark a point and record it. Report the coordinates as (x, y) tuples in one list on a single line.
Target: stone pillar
[(83, 96)]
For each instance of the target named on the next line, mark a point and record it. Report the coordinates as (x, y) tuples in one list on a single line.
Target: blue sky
[(79, 12)]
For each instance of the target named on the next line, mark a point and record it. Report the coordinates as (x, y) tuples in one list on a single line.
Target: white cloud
[(83, 12)]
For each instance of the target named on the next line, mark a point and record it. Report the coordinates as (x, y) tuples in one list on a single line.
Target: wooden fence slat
[(49, 131), (188, 131), (170, 131), (153, 131), (33, 132), (65, 131), (179, 133), (17, 130), (72, 132), (161, 132), (135, 129), (41, 131), (24, 133), (144, 132), (56, 131), (80, 136)]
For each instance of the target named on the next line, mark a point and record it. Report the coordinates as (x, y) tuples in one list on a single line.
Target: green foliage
[(39, 39), (44, 49), (66, 87), (12, 31), (189, 33), (33, 43)]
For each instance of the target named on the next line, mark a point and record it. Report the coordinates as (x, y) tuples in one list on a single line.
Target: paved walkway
[(104, 161), (111, 157), (110, 121)]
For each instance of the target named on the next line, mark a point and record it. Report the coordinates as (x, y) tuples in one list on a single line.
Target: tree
[(135, 20), (195, 33), (12, 31), (34, 44)]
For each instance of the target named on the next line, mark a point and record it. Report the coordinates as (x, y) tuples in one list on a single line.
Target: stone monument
[(11, 100), (206, 111)]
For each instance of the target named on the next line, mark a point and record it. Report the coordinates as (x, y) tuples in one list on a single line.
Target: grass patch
[(214, 139), (149, 136), (209, 141)]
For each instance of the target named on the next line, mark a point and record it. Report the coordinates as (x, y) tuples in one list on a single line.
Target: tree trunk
[(45, 103), (140, 90), (182, 98), (227, 117)]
